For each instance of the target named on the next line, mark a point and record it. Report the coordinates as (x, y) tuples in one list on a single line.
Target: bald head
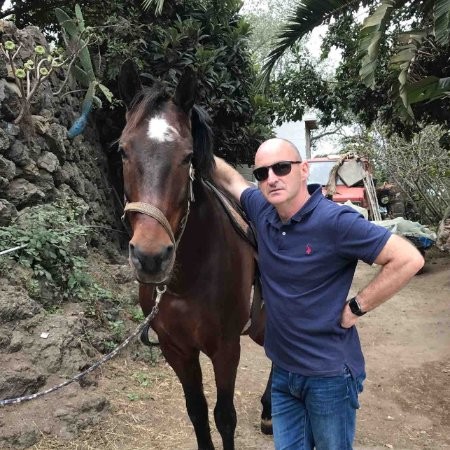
[(277, 148)]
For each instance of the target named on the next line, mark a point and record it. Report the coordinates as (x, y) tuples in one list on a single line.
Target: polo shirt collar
[(315, 190)]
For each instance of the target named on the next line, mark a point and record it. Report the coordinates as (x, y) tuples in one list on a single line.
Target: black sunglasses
[(280, 168)]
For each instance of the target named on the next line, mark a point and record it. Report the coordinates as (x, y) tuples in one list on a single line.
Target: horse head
[(157, 149)]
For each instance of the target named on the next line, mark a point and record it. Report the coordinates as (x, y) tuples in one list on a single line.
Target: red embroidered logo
[(308, 249)]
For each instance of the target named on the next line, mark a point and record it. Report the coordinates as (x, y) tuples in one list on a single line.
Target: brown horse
[(183, 240)]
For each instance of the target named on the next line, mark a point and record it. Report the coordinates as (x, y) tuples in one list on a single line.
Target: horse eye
[(187, 159)]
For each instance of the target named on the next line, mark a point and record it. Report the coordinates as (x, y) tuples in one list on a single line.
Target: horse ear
[(186, 90), (129, 82)]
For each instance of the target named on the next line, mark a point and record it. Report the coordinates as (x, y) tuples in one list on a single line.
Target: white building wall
[(294, 132), (246, 172)]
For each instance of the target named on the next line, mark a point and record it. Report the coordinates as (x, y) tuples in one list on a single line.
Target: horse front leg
[(266, 400), (189, 373), (225, 365)]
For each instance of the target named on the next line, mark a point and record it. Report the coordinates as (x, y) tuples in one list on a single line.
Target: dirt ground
[(405, 404)]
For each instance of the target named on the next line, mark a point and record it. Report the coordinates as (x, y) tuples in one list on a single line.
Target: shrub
[(54, 239)]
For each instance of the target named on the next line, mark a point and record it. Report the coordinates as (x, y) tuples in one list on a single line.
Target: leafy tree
[(266, 18), (41, 13), (209, 35), (419, 167), (400, 71)]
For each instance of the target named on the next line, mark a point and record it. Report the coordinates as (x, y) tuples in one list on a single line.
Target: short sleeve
[(252, 202), (357, 238)]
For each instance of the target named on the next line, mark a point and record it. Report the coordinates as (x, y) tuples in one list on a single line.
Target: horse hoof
[(266, 426)]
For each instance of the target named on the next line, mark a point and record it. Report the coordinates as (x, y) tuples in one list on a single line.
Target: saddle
[(236, 215)]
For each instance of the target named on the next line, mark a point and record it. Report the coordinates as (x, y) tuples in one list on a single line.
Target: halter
[(157, 214)]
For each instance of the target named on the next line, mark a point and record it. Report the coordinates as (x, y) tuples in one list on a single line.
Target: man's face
[(281, 189)]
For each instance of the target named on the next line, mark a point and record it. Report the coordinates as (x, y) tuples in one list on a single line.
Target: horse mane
[(150, 101), (203, 142)]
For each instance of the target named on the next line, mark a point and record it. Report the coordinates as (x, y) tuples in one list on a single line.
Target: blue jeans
[(318, 412)]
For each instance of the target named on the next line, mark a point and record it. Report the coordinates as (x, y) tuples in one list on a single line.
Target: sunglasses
[(280, 168)]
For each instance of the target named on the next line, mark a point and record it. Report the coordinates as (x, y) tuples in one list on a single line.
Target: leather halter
[(157, 214)]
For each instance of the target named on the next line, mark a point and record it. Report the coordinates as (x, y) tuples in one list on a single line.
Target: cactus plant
[(84, 72), (30, 75)]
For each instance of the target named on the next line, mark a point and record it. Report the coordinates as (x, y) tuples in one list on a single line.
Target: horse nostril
[(150, 263), (135, 256), (167, 253)]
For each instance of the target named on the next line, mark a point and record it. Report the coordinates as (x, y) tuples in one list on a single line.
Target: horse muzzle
[(153, 267)]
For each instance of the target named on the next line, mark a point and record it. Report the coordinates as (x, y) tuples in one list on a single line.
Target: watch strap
[(355, 307)]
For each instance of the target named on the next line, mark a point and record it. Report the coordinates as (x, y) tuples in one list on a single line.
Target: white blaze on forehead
[(160, 130)]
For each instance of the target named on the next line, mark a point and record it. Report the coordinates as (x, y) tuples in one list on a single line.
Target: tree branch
[(326, 133)]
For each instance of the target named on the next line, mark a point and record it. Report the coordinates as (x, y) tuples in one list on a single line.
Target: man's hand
[(400, 260), (348, 319)]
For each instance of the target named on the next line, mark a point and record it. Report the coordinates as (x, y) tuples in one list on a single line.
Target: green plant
[(133, 396), (155, 355), (31, 74), (207, 35), (33, 287), (211, 38), (142, 378), (118, 329), (394, 66), (136, 314), (75, 36), (6, 262), (420, 167), (50, 235), (109, 345), (54, 309)]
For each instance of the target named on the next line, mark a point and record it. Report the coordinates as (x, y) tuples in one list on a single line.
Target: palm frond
[(428, 89), (159, 4), (372, 31), (402, 60), (308, 15), (441, 16)]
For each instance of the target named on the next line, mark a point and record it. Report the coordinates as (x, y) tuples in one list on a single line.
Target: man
[(308, 251)]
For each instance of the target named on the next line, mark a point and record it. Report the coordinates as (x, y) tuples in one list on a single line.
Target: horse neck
[(205, 210), (199, 239), (202, 228)]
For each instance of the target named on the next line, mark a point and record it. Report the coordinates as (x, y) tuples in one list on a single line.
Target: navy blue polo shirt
[(307, 267)]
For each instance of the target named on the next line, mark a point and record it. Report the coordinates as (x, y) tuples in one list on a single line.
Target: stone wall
[(39, 347), (40, 163)]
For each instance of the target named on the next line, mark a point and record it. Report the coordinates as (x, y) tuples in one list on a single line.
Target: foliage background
[(346, 97), (228, 51), (209, 35)]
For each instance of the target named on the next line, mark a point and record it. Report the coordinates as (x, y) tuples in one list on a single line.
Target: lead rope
[(159, 292)]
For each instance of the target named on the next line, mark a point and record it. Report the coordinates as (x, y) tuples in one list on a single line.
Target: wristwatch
[(355, 307)]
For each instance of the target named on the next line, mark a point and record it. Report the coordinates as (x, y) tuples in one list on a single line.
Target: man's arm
[(400, 261), (229, 179)]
